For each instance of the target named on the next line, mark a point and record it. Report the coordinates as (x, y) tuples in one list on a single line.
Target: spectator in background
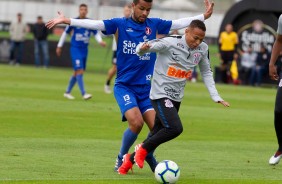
[(261, 66), (248, 61), (17, 30), (40, 33), (228, 41), (112, 71)]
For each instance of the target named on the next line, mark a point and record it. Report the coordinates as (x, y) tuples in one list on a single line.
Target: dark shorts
[(227, 56)]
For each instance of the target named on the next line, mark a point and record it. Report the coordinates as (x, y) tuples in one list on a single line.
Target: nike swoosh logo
[(175, 54)]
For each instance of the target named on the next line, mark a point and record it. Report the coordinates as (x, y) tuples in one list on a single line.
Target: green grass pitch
[(45, 138)]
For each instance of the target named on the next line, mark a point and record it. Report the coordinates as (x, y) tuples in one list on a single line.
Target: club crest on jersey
[(197, 57), (168, 103), (148, 31), (280, 83)]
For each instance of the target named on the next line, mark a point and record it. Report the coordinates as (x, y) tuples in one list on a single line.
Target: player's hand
[(59, 51), (103, 44), (61, 19), (145, 46), (273, 72), (209, 9), (224, 103)]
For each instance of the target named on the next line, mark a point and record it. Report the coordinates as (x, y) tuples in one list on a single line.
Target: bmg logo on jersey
[(126, 98)]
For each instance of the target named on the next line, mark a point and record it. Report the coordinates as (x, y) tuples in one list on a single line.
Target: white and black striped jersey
[(174, 65)]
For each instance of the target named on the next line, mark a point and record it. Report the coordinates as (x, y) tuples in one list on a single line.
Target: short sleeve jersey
[(133, 69), (80, 36), (279, 29), (228, 41)]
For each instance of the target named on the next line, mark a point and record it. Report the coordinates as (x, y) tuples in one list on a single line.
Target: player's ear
[(187, 30)]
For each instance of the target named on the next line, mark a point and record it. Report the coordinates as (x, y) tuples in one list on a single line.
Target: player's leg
[(111, 73), (45, 51), (36, 53), (278, 125), (167, 112), (130, 112), (128, 159)]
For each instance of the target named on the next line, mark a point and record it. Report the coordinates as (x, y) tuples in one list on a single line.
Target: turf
[(45, 138)]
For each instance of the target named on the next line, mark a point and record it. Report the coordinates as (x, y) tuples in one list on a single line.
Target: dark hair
[(39, 17), (83, 5), (137, 1), (198, 24)]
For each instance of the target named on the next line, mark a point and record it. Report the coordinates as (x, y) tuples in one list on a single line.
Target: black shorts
[(227, 56), (167, 112)]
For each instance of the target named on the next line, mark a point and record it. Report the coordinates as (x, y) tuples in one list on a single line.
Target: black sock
[(108, 82)]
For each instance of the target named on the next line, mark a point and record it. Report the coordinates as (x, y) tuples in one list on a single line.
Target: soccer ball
[(167, 172)]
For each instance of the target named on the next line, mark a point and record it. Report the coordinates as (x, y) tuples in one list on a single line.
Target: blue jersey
[(81, 36), (133, 69)]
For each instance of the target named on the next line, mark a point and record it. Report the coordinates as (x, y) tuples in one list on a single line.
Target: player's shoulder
[(204, 46)]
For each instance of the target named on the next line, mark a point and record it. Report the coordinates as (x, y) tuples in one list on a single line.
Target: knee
[(176, 131), (136, 125)]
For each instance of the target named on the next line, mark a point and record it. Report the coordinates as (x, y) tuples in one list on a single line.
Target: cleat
[(87, 96), (275, 158), (151, 160), (107, 89), (68, 96), (118, 163), (126, 165), (140, 155)]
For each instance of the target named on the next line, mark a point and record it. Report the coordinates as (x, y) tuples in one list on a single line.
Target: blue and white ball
[(167, 172)]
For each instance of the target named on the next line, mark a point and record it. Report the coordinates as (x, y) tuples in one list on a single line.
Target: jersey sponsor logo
[(168, 103), (129, 47), (280, 83), (148, 31), (172, 92), (197, 58), (82, 37), (178, 73)]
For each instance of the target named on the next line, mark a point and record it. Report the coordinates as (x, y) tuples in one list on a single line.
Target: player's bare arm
[(209, 9), (276, 50), (61, 19), (224, 103)]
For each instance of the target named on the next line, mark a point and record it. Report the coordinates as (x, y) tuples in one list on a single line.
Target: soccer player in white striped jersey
[(176, 58)]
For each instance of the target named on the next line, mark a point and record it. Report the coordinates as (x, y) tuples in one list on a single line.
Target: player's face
[(194, 37), (83, 12), (127, 12), (141, 10)]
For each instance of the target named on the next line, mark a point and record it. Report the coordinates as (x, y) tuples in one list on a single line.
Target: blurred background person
[(79, 52), (261, 67), (228, 41), (17, 30), (127, 10), (248, 61), (40, 33)]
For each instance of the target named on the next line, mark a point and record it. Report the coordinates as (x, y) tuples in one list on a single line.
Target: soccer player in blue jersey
[(133, 81), (79, 51)]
